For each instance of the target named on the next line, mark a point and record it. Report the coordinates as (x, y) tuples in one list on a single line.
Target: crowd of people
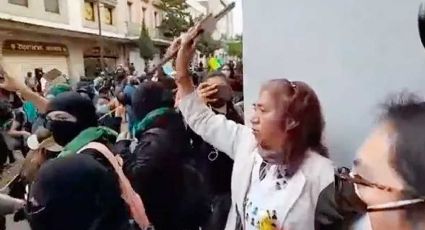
[(173, 153)]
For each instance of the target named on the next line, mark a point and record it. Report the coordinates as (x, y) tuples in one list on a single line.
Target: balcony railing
[(134, 29)]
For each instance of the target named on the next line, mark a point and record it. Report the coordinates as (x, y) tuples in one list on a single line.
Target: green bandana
[(55, 90), (150, 119), (87, 136)]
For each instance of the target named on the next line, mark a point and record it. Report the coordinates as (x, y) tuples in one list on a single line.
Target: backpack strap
[(128, 194)]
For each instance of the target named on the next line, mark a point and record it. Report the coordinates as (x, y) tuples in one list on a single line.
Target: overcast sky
[(237, 17)]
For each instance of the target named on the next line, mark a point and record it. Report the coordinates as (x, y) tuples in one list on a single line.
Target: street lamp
[(102, 63)]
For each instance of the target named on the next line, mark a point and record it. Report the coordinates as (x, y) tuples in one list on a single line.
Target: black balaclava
[(83, 109), (148, 97), (75, 192)]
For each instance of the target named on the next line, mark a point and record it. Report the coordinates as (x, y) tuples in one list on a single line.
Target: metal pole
[(102, 63)]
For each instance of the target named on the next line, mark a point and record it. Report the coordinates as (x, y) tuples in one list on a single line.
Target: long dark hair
[(232, 71), (302, 120)]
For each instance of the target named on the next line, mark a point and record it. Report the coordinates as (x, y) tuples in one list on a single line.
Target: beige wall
[(36, 10), (225, 25), (149, 16), (118, 18)]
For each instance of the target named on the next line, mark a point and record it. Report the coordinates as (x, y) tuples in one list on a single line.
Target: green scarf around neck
[(150, 119), (86, 136)]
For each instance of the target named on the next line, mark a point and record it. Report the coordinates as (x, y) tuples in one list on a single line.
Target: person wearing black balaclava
[(76, 191), (170, 189), (74, 114)]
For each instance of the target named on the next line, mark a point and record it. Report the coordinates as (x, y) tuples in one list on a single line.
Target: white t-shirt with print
[(265, 198)]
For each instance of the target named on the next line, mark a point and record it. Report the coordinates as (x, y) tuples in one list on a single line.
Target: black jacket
[(171, 190), (217, 172)]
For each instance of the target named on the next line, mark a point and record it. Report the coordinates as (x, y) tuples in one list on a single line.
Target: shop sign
[(16, 46)]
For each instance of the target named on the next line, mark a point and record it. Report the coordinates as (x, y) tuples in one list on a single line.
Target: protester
[(76, 191), (6, 142), (171, 191), (280, 165), (132, 69), (129, 87), (235, 82), (388, 171), (106, 115), (228, 71), (8, 205), (215, 166), (42, 148), (86, 90), (18, 132), (30, 81)]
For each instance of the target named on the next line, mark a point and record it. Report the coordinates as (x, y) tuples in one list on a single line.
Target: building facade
[(33, 31), (64, 34), (224, 28)]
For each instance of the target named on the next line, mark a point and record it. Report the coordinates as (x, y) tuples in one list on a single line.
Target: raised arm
[(223, 134), (14, 85)]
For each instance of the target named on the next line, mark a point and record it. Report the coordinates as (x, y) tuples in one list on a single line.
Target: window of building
[(143, 14), (155, 19), (19, 2), (107, 15), (89, 11), (130, 13), (51, 6)]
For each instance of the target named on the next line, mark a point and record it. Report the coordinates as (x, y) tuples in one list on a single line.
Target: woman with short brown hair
[(280, 165)]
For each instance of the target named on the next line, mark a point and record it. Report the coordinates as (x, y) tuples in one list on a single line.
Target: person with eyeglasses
[(388, 171), (280, 164)]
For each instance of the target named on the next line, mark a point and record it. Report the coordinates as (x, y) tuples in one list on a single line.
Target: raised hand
[(10, 83), (206, 92)]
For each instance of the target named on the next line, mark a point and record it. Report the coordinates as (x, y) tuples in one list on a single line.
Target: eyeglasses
[(345, 174)]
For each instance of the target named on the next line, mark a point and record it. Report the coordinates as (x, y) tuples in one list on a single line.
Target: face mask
[(389, 205), (63, 132), (225, 92), (218, 104), (366, 222), (102, 109)]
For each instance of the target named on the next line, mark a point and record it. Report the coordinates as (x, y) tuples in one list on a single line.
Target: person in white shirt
[(280, 165)]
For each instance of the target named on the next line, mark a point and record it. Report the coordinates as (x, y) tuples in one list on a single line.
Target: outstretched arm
[(14, 85), (223, 134)]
